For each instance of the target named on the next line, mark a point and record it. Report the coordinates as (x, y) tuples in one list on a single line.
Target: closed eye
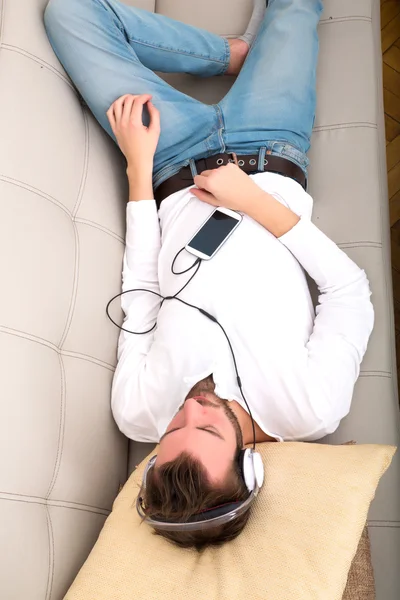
[(208, 428)]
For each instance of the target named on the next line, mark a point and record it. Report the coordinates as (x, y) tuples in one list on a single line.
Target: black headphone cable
[(197, 263)]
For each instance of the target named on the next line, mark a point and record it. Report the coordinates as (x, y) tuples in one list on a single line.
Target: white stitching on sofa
[(386, 374), (61, 430), (50, 576), (2, 10), (85, 164), (14, 497), (101, 228), (330, 20), (89, 358), (40, 61), (393, 524), (60, 205), (77, 256), (350, 125), (45, 503), (34, 190), (360, 244), (74, 288), (43, 342)]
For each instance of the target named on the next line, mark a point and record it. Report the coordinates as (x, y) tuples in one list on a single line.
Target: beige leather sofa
[(63, 194)]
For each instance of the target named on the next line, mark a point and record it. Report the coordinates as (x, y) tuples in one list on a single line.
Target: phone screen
[(213, 233)]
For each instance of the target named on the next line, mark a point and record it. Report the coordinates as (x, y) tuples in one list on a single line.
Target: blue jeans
[(110, 49)]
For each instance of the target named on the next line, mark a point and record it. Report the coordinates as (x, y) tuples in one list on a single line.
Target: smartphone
[(213, 233)]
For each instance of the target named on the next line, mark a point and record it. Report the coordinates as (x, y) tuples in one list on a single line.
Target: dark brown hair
[(180, 489)]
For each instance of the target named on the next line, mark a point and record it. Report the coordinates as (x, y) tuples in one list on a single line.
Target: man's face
[(206, 428)]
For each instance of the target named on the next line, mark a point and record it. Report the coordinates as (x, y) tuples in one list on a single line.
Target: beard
[(207, 386)]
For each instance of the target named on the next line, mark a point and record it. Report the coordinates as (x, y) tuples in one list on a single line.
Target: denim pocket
[(295, 155)]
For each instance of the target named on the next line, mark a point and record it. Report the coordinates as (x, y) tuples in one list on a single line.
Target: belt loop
[(261, 157), (193, 167), (235, 158)]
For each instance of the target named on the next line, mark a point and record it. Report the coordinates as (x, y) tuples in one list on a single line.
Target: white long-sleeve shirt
[(298, 367)]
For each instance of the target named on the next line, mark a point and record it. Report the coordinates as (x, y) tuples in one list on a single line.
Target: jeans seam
[(220, 115), (183, 52), (286, 152), (227, 57)]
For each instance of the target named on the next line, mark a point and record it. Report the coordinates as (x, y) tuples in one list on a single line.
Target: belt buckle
[(235, 158)]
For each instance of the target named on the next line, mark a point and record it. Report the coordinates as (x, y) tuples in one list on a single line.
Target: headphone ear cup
[(149, 466), (240, 462), (258, 467), (246, 467), (252, 468)]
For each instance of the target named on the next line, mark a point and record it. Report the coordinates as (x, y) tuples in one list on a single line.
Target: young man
[(177, 384)]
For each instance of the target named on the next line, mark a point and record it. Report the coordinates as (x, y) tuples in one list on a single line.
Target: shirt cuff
[(145, 206), (297, 233)]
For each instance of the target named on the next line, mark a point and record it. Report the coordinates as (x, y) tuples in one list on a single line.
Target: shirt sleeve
[(140, 270), (330, 362)]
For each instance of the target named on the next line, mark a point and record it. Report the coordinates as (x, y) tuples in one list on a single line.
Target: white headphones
[(252, 468)]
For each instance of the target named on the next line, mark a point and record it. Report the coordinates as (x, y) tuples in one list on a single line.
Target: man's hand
[(137, 142), (228, 186)]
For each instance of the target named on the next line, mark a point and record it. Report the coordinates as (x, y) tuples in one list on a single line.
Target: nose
[(191, 411)]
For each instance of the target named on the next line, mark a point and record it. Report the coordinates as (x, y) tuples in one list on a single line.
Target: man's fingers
[(202, 181), (204, 196), (137, 109), (127, 110), (118, 108), (199, 180), (154, 117), (204, 177), (207, 172), (120, 99), (111, 118), (115, 110)]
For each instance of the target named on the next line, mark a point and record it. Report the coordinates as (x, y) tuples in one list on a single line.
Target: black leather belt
[(249, 164)]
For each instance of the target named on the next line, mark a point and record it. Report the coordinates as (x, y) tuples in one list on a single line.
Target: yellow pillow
[(299, 542)]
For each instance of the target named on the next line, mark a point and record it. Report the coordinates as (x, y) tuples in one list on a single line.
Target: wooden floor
[(390, 15)]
